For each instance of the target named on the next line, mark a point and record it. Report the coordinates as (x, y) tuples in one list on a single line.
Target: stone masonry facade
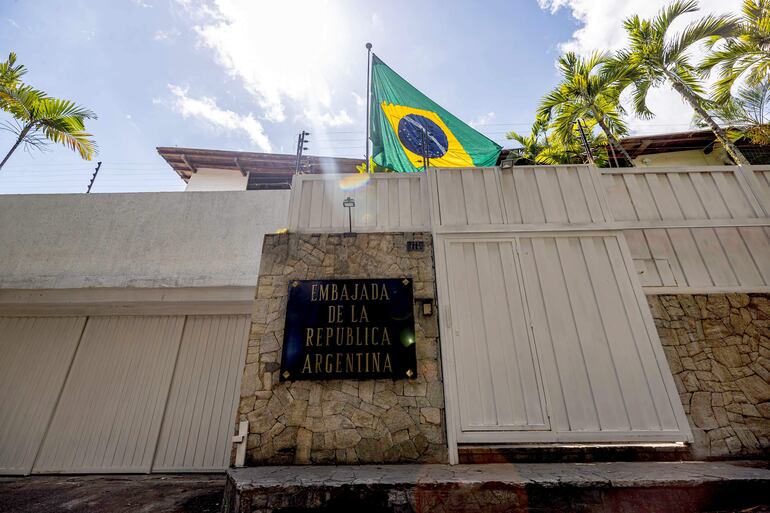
[(341, 421), (718, 348)]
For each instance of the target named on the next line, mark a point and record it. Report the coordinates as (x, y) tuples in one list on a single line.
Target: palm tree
[(38, 118), (531, 145), (585, 92), (746, 115), (10, 76), (654, 58), (745, 53), (537, 148)]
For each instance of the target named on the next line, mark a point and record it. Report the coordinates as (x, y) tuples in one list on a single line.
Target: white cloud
[(286, 54), (601, 28), (360, 100), (377, 22), (327, 119), (13, 22), (142, 3), (484, 119), (207, 110), (163, 35)]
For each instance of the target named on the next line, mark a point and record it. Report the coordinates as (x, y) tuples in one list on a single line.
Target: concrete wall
[(164, 239), (718, 348), (341, 421), (217, 180)]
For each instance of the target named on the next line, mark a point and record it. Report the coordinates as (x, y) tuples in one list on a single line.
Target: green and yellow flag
[(408, 126)]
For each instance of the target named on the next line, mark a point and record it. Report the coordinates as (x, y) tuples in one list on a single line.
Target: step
[(609, 487), (573, 453)]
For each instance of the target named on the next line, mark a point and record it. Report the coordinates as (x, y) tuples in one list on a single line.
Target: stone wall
[(341, 421), (718, 348)]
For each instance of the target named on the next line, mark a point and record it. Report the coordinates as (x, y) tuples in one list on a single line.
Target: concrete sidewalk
[(191, 493), (526, 487), (535, 487)]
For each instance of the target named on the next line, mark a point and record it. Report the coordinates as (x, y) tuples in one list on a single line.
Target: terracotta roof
[(265, 170)]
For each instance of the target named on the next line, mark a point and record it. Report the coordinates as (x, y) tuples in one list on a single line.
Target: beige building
[(682, 149)]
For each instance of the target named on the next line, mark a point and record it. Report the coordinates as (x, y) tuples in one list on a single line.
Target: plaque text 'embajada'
[(349, 329)]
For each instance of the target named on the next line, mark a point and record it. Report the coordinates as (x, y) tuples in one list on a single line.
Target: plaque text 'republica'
[(349, 329)]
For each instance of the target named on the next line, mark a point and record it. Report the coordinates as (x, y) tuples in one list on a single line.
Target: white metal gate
[(498, 377), (119, 393), (551, 342)]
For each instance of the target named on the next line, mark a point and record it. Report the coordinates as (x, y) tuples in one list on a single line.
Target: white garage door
[(30, 383), (141, 394)]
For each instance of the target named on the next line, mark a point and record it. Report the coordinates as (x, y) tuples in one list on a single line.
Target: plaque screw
[(286, 374), (294, 283), (405, 281), (409, 373)]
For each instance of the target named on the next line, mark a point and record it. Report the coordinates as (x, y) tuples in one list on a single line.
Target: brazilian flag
[(408, 126)]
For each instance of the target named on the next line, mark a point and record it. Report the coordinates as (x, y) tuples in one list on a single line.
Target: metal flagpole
[(368, 99)]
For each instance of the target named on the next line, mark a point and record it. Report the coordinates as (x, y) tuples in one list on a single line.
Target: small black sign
[(349, 329), (415, 245)]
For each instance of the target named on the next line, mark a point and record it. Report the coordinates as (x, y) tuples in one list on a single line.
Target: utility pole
[(585, 142), (93, 177), (301, 141)]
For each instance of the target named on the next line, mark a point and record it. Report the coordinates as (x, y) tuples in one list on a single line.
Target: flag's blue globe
[(422, 136)]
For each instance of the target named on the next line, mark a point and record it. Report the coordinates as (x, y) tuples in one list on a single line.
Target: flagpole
[(368, 99)]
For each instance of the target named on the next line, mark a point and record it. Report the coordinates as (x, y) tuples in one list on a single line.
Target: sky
[(249, 75)]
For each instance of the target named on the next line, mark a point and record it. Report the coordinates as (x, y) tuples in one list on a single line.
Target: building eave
[(265, 170)]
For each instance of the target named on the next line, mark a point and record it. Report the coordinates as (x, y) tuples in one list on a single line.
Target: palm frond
[(639, 99), (78, 141), (700, 30), (666, 16)]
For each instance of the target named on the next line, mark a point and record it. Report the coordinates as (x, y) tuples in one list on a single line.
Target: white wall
[(159, 239), (217, 180), (686, 158)]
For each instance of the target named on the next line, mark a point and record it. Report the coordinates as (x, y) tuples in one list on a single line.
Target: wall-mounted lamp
[(427, 307), (349, 203)]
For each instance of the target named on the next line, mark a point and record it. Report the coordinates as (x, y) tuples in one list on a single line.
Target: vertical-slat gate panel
[(762, 178), (557, 313), (109, 415), (383, 202), (605, 355), (591, 336), (498, 380), (451, 198), (200, 413), (604, 374), (528, 194), (575, 199), (36, 355), (511, 205)]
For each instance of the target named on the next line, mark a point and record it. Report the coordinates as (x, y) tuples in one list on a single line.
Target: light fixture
[(427, 307), (349, 203)]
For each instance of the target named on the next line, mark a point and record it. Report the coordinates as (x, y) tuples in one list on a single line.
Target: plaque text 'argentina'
[(349, 329)]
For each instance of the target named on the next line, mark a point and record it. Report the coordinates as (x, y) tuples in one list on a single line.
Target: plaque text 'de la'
[(349, 329)]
